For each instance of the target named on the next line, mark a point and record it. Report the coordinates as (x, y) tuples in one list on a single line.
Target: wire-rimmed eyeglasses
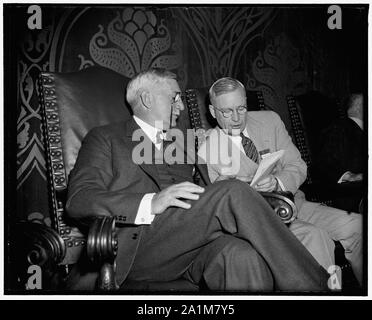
[(227, 113), (177, 98)]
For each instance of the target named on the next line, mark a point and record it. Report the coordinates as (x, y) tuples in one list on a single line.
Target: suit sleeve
[(88, 191), (293, 169), (330, 161), (204, 156)]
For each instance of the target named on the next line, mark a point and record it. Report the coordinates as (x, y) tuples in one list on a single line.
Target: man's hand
[(170, 197), (351, 177), (268, 184)]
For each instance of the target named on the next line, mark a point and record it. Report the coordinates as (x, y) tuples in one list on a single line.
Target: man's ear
[(146, 99), (211, 110)]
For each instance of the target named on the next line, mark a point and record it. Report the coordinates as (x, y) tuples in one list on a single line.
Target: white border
[(169, 297)]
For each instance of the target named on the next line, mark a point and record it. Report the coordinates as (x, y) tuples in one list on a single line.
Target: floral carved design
[(221, 36), (134, 41), (278, 71)]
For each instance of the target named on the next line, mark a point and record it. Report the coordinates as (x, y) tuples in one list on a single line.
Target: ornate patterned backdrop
[(257, 45)]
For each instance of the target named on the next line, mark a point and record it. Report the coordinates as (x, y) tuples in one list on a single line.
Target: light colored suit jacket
[(268, 133)]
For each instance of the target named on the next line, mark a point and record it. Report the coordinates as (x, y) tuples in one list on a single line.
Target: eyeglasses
[(228, 113), (177, 98)]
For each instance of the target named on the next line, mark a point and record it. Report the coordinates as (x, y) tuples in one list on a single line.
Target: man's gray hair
[(144, 80), (222, 86)]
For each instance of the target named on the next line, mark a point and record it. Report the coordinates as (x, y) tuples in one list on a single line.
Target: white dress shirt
[(144, 215), (358, 122)]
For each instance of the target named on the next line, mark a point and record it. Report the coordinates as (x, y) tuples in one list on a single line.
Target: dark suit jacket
[(106, 181), (344, 149)]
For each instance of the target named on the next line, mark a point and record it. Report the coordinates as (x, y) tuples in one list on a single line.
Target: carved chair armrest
[(39, 245), (283, 204), (102, 246)]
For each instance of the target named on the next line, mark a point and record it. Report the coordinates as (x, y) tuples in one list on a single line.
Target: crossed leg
[(171, 244)]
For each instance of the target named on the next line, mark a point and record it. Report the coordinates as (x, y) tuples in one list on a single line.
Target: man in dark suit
[(343, 154), (225, 234)]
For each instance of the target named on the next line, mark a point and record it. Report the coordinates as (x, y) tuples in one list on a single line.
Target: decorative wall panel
[(277, 50), (278, 71), (220, 36)]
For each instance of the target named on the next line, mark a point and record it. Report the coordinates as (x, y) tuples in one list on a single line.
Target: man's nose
[(235, 116), (179, 105)]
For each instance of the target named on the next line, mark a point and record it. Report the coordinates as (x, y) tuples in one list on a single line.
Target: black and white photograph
[(185, 149)]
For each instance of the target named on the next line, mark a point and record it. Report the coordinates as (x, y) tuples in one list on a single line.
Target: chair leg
[(106, 280)]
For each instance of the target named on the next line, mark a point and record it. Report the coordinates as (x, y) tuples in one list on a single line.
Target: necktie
[(162, 137), (249, 148)]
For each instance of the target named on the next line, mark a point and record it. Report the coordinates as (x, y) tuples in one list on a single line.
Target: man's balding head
[(355, 106)]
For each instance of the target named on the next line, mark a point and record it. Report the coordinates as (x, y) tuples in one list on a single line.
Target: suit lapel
[(149, 169), (254, 129), (203, 171), (256, 133)]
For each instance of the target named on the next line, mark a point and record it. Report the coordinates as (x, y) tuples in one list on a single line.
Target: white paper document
[(266, 166)]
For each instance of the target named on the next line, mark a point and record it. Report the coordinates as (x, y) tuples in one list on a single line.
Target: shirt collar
[(245, 132), (148, 129), (358, 122)]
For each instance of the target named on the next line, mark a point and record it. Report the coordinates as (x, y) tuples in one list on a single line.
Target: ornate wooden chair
[(72, 104)]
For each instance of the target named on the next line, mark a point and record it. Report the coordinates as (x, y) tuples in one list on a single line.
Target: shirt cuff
[(281, 185), (342, 177), (144, 215)]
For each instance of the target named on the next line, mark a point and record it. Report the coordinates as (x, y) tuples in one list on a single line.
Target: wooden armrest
[(36, 244), (102, 246), (282, 204)]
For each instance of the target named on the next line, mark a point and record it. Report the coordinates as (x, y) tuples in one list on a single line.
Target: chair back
[(72, 104), (310, 114)]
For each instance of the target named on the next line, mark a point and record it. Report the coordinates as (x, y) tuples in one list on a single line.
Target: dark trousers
[(259, 253)]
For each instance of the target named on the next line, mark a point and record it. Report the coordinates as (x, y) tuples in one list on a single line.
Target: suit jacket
[(268, 133), (344, 149), (106, 181)]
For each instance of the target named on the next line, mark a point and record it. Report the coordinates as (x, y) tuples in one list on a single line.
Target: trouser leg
[(341, 226), (231, 264), (171, 243), (316, 241)]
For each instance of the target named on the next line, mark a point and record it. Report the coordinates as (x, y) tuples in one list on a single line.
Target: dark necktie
[(162, 137), (249, 148)]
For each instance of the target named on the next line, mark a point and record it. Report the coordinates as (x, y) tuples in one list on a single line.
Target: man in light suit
[(222, 233), (251, 135)]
